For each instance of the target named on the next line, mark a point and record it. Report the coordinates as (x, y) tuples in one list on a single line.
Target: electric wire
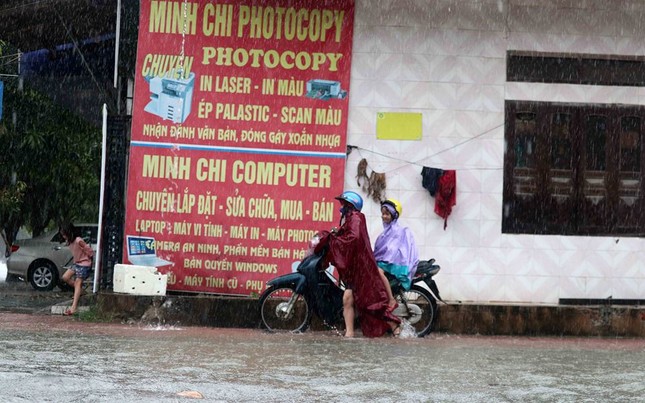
[(421, 163)]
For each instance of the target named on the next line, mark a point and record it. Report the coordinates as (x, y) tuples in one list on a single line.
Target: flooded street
[(48, 358)]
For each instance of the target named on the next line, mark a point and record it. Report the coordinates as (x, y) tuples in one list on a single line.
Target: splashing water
[(334, 329), (160, 327), (407, 330)]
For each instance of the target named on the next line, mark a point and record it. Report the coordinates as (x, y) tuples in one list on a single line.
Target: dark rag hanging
[(430, 179), (446, 195)]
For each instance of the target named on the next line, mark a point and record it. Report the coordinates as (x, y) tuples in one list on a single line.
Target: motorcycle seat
[(427, 267)]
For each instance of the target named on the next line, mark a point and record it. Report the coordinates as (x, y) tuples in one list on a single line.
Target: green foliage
[(51, 158), (11, 197), (95, 315)]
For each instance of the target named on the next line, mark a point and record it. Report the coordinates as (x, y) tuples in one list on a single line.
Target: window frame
[(579, 201)]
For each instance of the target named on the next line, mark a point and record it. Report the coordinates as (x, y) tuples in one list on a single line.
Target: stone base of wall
[(526, 320), (604, 320)]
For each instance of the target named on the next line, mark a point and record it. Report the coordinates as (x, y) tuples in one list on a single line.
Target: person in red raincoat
[(350, 251)]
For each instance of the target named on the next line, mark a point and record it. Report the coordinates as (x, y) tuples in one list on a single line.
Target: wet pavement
[(18, 296), (47, 357), (53, 358)]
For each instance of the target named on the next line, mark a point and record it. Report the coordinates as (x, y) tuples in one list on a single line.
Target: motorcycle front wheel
[(419, 309), (282, 309)]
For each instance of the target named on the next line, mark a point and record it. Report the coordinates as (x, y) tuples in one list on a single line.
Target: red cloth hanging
[(446, 195)]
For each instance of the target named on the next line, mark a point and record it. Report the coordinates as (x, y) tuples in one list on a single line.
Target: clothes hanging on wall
[(446, 196), (442, 185), (430, 179), (373, 184)]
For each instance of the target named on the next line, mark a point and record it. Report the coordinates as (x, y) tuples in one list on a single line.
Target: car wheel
[(43, 276)]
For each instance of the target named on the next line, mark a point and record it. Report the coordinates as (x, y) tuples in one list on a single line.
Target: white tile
[(553, 262), (386, 94), (440, 123), (362, 66), (361, 140), (553, 242), (469, 153), (522, 241), (631, 23), (490, 234), (599, 264), (624, 265), (414, 95), (641, 288), (624, 288), (361, 94), (435, 235), (492, 261), (597, 288), (480, 15), (457, 287), (572, 287), (415, 67), (532, 289), (465, 260), (443, 14), (485, 124), (364, 40), (492, 181), (390, 39), (441, 69), (629, 46), (420, 41), (491, 207), (361, 120), (489, 44), (469, 97), (387, 66), (492, 289), (465, 232), (468, 181)]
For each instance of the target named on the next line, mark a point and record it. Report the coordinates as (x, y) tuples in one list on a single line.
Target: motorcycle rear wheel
[(422, 321), (274, 313)]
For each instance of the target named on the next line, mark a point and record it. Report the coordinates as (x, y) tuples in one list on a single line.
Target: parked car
[(41, 260)]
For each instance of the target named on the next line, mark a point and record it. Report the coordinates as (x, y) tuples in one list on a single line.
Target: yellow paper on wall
[(398, 126)]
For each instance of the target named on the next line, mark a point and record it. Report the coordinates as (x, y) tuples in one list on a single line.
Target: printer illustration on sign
[(324, 89), (171, 96)]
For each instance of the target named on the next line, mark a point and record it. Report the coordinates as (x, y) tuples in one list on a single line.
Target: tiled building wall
[(446, 60)]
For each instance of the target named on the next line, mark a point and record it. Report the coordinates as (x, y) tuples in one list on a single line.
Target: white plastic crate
[(139, 280)]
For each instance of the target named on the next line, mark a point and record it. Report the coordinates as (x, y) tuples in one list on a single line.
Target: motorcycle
[(291, 300)]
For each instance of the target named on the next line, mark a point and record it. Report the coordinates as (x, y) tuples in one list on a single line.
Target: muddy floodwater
[(47, 358)]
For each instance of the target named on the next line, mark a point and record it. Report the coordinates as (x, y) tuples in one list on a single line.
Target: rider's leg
[(395, 327), (348, 312), (388, 289)]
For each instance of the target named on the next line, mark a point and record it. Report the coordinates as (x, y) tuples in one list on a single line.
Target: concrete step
[(61, 307), (457, 318)]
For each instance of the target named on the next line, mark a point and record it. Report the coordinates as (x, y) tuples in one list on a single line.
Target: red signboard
[(238, 137)]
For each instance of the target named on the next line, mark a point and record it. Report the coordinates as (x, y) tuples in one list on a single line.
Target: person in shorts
[(350, 252), (82, 255)]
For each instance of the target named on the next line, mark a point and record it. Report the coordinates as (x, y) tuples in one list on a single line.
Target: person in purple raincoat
[(394, 250)]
